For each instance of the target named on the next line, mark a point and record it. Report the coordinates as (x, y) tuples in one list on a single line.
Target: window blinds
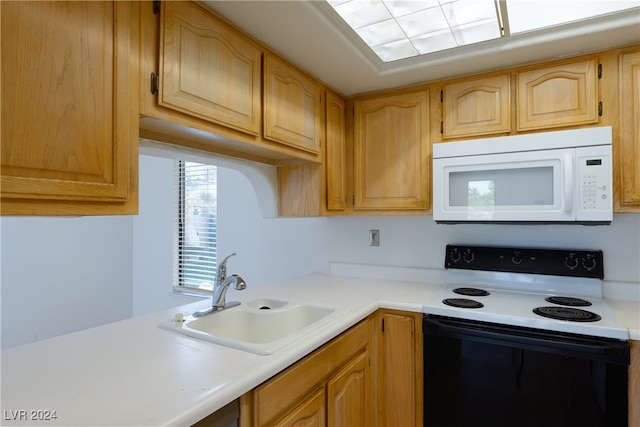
[(196, 225)]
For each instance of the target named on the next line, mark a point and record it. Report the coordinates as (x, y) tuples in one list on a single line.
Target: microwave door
[(510, 187)]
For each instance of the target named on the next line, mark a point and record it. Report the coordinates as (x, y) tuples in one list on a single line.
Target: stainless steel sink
[(261, 326)]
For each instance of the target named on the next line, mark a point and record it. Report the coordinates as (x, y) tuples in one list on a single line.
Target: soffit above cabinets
[(311, 35)]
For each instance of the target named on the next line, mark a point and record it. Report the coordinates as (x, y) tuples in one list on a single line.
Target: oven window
[(473, 383)]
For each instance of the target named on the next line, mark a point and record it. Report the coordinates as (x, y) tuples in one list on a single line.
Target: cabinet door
[(69, 108), (391, 152), (278, 397), (477, 107), (629, 145), (400, 369), (310, 413), (561, 95), (335, 163), (293, 112), (207, 69), (349, 394), (313, 189)]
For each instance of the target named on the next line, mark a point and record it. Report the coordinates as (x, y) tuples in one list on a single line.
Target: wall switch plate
[(374, 237)]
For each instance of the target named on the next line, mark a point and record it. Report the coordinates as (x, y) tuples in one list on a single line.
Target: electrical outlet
[(374, 237)]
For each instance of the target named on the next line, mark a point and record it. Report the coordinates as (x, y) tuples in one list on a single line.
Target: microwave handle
[(568, 182)]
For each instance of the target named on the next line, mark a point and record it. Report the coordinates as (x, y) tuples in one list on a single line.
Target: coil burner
[(570, 301), (472, 292), (567, 313), (462, 303)]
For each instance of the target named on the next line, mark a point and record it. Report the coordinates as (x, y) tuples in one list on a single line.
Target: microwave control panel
[(594, 182)]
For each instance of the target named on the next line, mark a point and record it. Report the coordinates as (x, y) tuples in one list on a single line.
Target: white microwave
[(563, 176)]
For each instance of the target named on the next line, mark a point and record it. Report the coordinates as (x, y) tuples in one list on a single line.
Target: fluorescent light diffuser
[(528, 15), (398, 29)]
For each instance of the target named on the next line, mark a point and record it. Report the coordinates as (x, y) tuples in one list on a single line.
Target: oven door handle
[(549, 341)]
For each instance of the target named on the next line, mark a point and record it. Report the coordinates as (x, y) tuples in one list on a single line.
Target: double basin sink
[(261, 326)]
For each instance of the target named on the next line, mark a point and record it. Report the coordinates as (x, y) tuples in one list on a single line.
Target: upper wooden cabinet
[(335, 161), (561, 95), (293, 110), (391, 152), (208, 69), (202, 87), (477, 107), (317, 189), (628, 155), (69, 108)]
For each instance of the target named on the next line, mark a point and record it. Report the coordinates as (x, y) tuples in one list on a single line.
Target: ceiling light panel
[(398, 29), (528, 15)]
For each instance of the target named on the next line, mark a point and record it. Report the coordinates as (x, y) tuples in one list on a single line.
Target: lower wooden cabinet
[(400, 368), (310, 413), (348, 392), (370, 375), (332, 386)]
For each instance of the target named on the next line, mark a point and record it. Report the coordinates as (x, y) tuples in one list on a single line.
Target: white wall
[(416, 241), (60, 275), (153, 238), (268, 249)]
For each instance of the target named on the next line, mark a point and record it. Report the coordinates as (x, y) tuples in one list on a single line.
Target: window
[(196, 225)]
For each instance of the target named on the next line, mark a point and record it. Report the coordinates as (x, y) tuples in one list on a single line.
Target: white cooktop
[(514, 296)]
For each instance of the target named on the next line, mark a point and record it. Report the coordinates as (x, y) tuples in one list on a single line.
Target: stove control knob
[(455, 255), (468, 256), (589, 262), (571, 261), (516, 258)]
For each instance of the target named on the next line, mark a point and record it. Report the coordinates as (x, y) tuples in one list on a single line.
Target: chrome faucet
[(220, 289)]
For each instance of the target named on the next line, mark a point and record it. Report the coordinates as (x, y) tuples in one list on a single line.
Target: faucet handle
[(222, 268)]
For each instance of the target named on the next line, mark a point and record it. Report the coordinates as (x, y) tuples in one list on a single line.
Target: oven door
[(532, 186), (482, 374)]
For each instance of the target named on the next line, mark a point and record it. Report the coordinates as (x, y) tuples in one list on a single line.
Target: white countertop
[(135, 374)]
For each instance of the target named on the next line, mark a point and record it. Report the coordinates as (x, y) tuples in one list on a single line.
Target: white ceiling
[(307, 34)]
